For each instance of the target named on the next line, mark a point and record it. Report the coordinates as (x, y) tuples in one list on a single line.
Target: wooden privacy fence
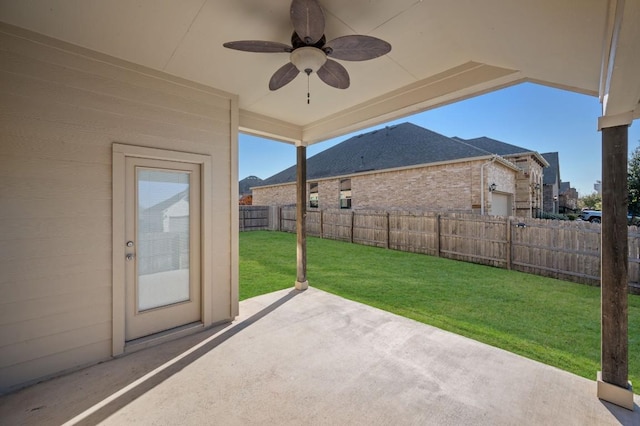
[(253, 218), (560, 249)]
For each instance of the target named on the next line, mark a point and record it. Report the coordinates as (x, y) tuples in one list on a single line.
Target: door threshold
[(162, 337)]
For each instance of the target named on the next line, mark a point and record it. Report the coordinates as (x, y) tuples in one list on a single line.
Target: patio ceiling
[(443, 51)]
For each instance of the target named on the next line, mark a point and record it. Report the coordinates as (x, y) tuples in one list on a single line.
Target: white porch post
[(301, 215), (612, 384)]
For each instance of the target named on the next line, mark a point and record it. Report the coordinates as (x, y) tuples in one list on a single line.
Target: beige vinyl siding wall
[(61, 110)]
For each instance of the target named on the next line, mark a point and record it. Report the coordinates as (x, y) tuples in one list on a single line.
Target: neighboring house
[(529, 182), (168, 215), (551, 184), (163, 238), (568, 198), (407, 166), (244, 186)]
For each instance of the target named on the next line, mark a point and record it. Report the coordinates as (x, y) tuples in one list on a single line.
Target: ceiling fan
[(309, 50)]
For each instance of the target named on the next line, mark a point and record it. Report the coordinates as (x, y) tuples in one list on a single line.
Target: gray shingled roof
[(395, 146), (245, 185), (551, 173), (494, 146), (564, 187)]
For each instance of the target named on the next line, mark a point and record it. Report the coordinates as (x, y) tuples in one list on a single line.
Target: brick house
[(407, 166), (551, 184), (558, 196), (568, 198), (245, 185), (529, 183), (244, 189)]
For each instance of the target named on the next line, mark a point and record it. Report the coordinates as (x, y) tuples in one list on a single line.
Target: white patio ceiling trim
[(443, 51)]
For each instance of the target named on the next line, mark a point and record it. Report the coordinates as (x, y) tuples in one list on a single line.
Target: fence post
[(509, 244), (270, 218), (437, 235), (388, 230), (321, 223), (353, 214)]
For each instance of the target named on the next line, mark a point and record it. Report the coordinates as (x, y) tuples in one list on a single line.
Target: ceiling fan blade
[(258, 46), (308, 20), (283, 76), (334, 74), (356, 48)]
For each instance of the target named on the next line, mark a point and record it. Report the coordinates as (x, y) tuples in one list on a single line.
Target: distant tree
[(246, 200), (592, 201), (633, 181)]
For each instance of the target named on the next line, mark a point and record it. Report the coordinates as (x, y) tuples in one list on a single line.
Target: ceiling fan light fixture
[(308, 58)]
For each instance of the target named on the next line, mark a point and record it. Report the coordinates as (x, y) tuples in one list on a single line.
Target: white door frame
[(120, 153)]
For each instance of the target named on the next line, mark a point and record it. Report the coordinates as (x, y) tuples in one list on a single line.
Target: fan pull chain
[(308, 71)]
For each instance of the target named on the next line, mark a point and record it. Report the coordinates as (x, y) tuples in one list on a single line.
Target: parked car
[(595, 216)]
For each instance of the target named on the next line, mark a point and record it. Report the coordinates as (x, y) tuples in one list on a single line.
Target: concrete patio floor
[(315, 358)]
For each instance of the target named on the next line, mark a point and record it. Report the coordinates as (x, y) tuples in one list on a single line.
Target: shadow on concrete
[(149, 383), (88, 396), (624, 416)]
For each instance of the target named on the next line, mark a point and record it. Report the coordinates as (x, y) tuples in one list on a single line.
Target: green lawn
[(552, 321)]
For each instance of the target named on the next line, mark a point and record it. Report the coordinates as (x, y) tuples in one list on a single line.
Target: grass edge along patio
[(545, 319)]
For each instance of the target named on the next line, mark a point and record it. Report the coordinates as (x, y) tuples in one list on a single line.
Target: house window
[(345, 194), (313, 195)]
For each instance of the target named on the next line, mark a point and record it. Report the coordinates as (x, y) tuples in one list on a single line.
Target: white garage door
[(500, 205)]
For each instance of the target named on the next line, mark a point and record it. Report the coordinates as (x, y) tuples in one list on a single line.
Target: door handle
[(130, 256)]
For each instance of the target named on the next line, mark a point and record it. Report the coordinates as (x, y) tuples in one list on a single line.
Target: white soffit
[(442, 51)]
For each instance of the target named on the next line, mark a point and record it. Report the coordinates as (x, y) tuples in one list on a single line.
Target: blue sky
[(536, 117)]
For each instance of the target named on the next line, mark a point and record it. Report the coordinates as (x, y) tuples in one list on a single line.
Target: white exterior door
[(162, 246)]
